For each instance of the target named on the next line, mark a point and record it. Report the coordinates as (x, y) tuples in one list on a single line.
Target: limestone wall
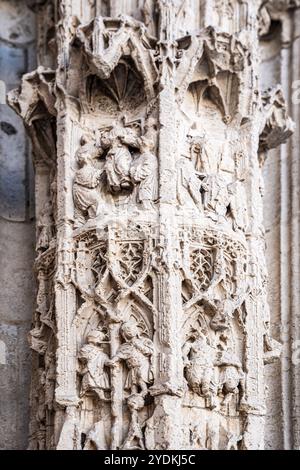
[(17, 56)]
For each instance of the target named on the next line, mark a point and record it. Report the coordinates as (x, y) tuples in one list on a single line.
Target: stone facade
[(151, 123)]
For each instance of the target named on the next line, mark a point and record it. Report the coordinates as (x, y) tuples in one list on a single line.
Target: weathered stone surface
[(152, 328), (17, 23), (14, 382), (17, 34)]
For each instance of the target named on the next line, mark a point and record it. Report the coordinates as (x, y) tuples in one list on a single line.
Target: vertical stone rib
[(294, 66), (285, 283)]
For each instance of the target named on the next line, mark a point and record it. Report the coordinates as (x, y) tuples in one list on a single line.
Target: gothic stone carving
[(151, 327)]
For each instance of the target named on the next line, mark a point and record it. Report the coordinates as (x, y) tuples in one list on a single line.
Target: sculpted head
[(96, 337), (86, 151), (129, 330)]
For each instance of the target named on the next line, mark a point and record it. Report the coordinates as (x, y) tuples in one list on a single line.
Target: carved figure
[(136, 352), (135, 436), (95, 376), (188, 184), (239, 207), (199, 361), (220, 319), (86, 194)]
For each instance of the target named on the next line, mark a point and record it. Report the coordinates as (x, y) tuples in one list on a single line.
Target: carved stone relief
[(149, 139)]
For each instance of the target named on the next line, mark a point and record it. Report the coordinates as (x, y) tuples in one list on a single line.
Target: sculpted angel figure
[(217, 197), (86, 193), (143, 172), (135, 437), (188, 184), (136, 352), (94, 360)]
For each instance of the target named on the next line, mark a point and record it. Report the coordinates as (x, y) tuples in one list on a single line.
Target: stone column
[(282, 224), (152, 323)]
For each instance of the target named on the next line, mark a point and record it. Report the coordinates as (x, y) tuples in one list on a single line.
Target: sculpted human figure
[(94, 359), (188, 184), (136, 352), (143, 172), (217, 197), (199, 361), (135, 437), (45, 227), (220, 275), (239, 208), (86, 193), (144, 165), (118, 159)]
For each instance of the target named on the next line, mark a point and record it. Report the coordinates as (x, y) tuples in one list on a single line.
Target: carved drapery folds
[(151, 328)]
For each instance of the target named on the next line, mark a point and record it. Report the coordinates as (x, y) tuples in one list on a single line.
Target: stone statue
[(217, 197), (118, 159), (95, 378), (136, 352), (239, 207), (188, 184), (135, 437), (86, 194)]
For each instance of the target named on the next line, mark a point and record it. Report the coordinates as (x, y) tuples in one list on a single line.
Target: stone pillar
[(152, 327)]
